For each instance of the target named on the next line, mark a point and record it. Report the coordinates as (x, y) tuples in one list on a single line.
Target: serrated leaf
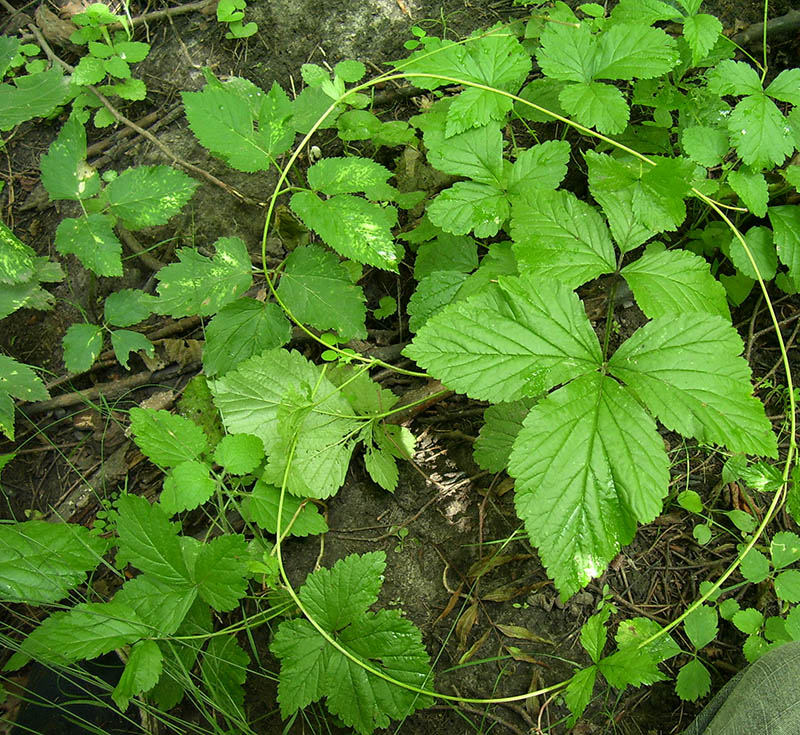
[(446, 253), (514, 339), (539, 167), (701, 33), (589, 464), (502, 424), (469, 206), (759, 132), (544, 93), (578, 693), (40, 562), (224, 671), (240, 330), (317, 289), (284, 400), (149, 541), (748, 620), (219, 570), (556, 235), (704, 144), (146, 196), (784, 549), (693, 681), (686, 369), (675, 282), (32, 95), (29, 294), (634, 631), (633, 50), (161, 605), (734, 78), (240, 123), (89, 70), (351, 175), (186, 486), (124, 341), (751, 186), (239, 453), (596, 104), (754, 566), (358, 229), (759, 242), (630, 667), (364, 395), (17, 381), (785, 222), (165, 438), (16, 258), (701, 626), (65, 173), (126, 307), (82, 344), (141, 673), (197, 285), (261, 507), (92, 240), (311, 668), (381, 467), (787, 585), (594, 634)]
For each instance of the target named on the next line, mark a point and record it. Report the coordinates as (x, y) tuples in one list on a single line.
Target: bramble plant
[(685, 153)]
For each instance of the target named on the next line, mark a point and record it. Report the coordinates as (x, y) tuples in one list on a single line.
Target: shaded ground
[(455, 516)]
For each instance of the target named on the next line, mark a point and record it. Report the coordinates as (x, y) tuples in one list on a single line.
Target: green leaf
[(784, 549), (446, 253), (787, 585), (165, 438), (544, 93), (349, 70), (35, 95), (140, 675), (514, 339), (633, 50), (187, 486), (589, 464), (240, 123), (759, 242), (594, 634), (30, 294), (633, 632), (675, 282), (92, 240), (754, 566), (202, 286), (89, 70), (149, 195), (243, 328), (124, 341), (751, 186), (363, 394), (759, 132), (705, 145), (261, 507), (82, 345), (224, 670), (470, 206), (309, 107), (239, 453), (556, 235), (734, 78), (596, 104), (40, 562), (161, 605), (748, 620), (691, 501), (126, 307), (355, 228), (88, 630), (539, 167), (381, 467), (311, 668), (701, 33), (317, 289), (65, 173), (16, 258), (502, 423), (9, 48), (17, 381), (219, 570), (785, 222), (693, 681), (686, 369), (283, 399), (630, 667), (578, 693), (351, 175), (149, 541), (701, 626)]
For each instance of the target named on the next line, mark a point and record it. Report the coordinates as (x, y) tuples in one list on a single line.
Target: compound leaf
[(539, 167), (589, 464), (126, 307), (701, 32), (693, 681), (218, 569), (224, 671), (633, 50), (16, 258), (17, 381), (30, 294), (514, 339), (687, 370), (751, 186), (239, 453), (146, 196), (92, 240), (161, 605), (434, 291)]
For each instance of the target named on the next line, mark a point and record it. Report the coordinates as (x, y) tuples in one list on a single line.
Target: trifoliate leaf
[(186, 486), (675, 282), (539, 167), (146, 196), (219, 570), (309, 107), (686, 369), (633, 632), (126, 307), (589, 464), (351, 175), (556, 235), (784, 549), (785, 222), (502, 423), (355, 228), (446, 253), (92, 240), (40, 562), (16, 258), (759, 132), (751, 186), (469, 206), (197, 285), (239, 453), (434, 291), (261, 507), (596, 104), (701, 33), (240, 123), (82, 345), (311, 668), (141, 673), (705, 145), (65, 173), (224, 671), (693, 681), (88, 630), (33, 95), (124, 341), (514, 339), (701, 626), (363, 125), (786, 87), (317, 289), (762, 249), (165, 438), (240, 330), (283, 399)]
